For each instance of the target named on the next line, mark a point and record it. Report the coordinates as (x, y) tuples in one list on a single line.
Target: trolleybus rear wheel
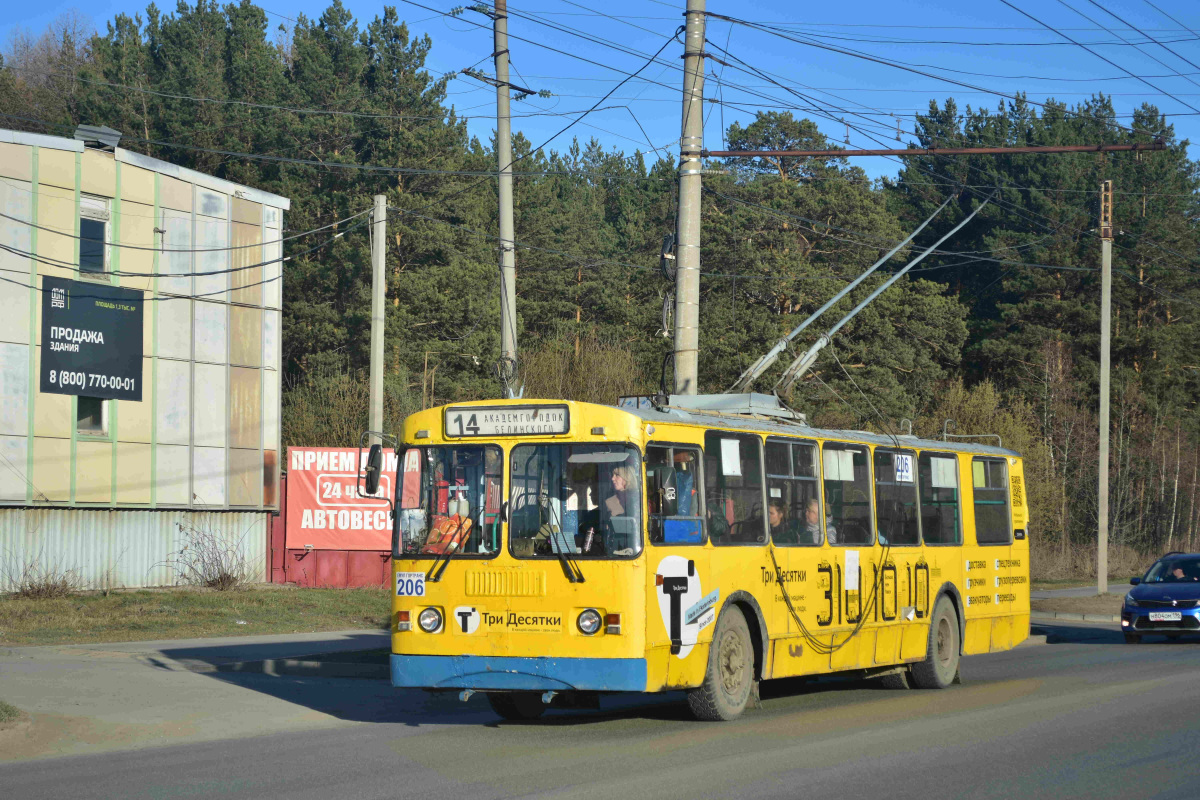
[(940, 666), (730, 674), (517, 705)]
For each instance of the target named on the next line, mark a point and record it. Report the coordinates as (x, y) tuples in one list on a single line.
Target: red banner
[(323, 506)]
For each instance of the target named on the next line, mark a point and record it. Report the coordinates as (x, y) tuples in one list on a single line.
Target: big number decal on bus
[(825, 570), (918, 590)]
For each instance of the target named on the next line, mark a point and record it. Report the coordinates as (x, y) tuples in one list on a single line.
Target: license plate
[(1165, 616)]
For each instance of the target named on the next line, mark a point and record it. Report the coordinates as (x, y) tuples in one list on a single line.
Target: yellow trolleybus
[(545, 552)]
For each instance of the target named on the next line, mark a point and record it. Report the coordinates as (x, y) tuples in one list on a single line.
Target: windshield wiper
[(438, 567), (567, 559)]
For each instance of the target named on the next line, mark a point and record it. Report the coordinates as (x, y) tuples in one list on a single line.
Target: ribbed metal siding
[(120, 548)]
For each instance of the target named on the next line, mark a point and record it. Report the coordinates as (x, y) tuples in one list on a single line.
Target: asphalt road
[(1085, 717)]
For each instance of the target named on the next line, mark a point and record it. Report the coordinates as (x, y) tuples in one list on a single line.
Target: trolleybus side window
[(674, 495), (989, 478), (733, 488), (937, 477), (583, 499), (847, 473), (897, 515), (793, 497)]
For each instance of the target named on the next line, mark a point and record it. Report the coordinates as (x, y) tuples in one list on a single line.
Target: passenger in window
[(781, 531), (812, 523)]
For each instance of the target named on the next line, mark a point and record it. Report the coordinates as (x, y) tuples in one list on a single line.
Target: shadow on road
[(375, 701)]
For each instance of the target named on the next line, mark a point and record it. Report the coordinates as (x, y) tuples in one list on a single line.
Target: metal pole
[(1106, 234), (378, 292), (508, 254), (687, 257)]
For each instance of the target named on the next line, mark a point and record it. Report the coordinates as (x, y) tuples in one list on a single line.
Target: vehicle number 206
[(410, 584)]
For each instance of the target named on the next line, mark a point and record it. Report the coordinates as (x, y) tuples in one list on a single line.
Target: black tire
[(940, 666), (895, 680), (1132, 638), (517, 706), (729, 678)]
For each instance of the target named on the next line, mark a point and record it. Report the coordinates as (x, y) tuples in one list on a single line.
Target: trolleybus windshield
[(449, 501), (582, 500)]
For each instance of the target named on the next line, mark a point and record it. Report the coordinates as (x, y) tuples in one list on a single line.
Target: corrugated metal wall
[(113, 549)]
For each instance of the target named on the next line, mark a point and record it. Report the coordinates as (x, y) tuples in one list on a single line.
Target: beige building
[(201, 447)]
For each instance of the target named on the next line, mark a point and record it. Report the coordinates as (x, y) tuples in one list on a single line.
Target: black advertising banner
[(91, 339)]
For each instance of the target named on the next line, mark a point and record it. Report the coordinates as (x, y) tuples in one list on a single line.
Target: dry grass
[(1048, 564), (37, 575), (188, 613), (1103, 604)]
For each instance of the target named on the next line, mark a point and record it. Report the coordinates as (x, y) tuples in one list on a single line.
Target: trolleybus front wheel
[(517, 705), (940, 666), (730, 674)]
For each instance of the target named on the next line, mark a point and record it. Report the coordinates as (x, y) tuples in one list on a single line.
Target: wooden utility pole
[(687, 238), (1106, 237)]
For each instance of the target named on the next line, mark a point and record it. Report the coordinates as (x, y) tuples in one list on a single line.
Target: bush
[(40, 577), (590, 368), (210, 559), (329, 408)]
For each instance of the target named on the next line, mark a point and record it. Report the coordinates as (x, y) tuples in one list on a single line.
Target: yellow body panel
[(528, 607)]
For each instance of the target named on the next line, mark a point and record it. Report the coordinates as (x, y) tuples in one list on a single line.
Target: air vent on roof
[(98, 136)]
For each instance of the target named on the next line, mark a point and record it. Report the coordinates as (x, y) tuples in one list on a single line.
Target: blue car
[(1165, 601)]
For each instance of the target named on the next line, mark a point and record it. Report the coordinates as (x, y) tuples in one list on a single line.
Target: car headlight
[(430, 620), (589, 621), (1129, 600)]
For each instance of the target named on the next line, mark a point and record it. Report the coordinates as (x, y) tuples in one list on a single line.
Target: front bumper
[(509, 673), (1137, 620)]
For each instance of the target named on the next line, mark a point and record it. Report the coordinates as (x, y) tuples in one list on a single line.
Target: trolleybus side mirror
[(374, 468)]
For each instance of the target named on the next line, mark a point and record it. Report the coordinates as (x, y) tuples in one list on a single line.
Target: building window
[(93, 235), (91, 416)]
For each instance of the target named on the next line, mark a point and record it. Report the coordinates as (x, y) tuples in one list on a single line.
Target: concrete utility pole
[(687, 238), (508, 253), (378, 292), (1106, 237)]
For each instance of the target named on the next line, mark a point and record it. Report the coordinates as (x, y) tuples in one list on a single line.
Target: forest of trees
[(999, 330)]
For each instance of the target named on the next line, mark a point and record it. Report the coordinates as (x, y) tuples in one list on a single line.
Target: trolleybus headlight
[(430, 620), (589, 621)]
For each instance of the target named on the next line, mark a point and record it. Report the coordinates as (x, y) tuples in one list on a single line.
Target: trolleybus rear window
[(581, 499)]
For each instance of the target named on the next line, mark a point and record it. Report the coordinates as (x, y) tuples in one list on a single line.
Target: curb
[(1033, 640), (1067, 615), (294, 668)]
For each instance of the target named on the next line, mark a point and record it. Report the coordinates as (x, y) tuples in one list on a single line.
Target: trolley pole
[(507, 367), (1106, 236), (687, 238), (378, 297)]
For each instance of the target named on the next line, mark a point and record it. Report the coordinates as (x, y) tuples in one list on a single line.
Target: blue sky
[(1012, 51)]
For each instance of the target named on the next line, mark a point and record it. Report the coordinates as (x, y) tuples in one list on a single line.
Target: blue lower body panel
[(510, 673)]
